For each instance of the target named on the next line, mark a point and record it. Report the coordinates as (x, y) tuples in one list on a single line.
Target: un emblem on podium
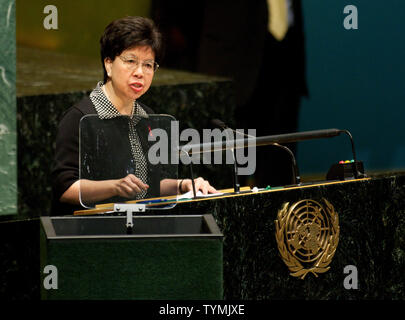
[(307, 235)]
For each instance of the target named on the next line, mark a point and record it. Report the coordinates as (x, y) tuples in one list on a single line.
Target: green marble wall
[(8, 155)]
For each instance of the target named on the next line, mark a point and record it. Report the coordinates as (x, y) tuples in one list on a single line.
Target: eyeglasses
[(132, 63)]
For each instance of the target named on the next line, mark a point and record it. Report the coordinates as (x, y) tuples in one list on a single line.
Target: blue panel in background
[(356, 81)]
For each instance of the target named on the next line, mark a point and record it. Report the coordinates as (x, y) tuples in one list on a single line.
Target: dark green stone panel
[(8, 132), (136, 269), (371, 217)]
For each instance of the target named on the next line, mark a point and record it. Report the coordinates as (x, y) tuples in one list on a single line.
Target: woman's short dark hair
[(126, 33)]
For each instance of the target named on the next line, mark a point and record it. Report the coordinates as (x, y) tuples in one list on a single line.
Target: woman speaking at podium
[(130, 47)]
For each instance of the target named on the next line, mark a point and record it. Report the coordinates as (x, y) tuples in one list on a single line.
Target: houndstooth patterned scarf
[(106, 110)]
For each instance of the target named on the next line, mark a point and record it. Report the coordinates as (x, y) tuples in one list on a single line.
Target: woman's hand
[(90, 191), (200, 185), (129, 186)]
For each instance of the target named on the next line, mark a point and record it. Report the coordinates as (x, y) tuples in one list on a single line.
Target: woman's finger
[(138, 182)]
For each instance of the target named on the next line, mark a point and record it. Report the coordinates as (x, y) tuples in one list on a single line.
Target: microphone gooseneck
[(274, 140), (296, 176)]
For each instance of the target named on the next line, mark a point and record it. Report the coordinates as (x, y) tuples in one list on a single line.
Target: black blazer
[(65, 170)]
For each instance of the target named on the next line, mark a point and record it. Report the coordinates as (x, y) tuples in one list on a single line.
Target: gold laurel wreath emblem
[(329, 241)]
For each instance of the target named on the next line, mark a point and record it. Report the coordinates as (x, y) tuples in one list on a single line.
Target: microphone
[(296, 176), (236, 185), (357, 166), (219, 124)]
